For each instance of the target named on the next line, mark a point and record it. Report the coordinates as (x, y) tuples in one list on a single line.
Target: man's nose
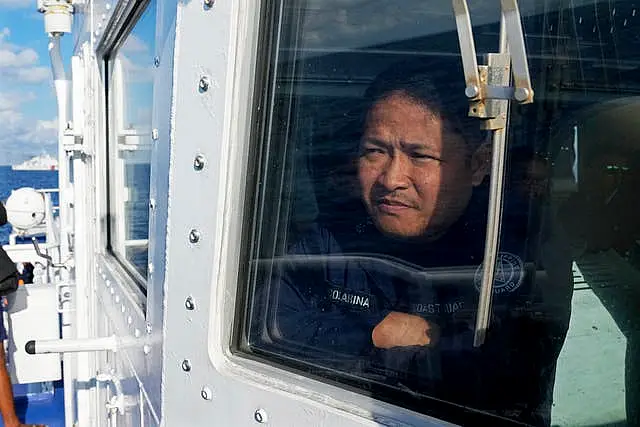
[(395, 175)]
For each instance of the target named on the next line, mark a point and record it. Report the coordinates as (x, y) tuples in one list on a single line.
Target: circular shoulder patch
[(508, 276)]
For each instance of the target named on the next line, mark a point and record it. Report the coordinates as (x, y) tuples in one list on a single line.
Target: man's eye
[(370, 151), (424, 156)]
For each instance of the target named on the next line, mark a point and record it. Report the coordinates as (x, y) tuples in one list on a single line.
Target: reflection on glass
[(132, 104), (371, 218), (584, 136)]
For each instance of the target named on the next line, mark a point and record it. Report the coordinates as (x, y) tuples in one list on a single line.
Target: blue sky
[(27, 100)]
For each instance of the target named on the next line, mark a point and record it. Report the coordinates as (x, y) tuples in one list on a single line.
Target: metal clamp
[(489, 93), (480, 86)]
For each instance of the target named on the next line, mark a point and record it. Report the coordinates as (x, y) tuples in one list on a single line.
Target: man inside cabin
[(404, 312)]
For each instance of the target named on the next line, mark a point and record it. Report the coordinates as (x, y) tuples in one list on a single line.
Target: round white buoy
[(25, 208)]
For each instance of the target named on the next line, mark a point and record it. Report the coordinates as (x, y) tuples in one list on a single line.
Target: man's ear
[(480, 163)]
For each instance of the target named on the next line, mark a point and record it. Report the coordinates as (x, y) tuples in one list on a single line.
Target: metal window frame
[(122, 22), (202, 285), (124, 16)]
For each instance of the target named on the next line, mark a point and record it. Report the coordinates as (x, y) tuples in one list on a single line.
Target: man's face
[(415, 175)]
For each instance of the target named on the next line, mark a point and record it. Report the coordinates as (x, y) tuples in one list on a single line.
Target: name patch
[(350, 298), (508, 276)]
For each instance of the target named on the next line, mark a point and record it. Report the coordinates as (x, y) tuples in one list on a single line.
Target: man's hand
[(402, 330)]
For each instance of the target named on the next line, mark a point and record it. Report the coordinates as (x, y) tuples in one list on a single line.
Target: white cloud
[(4, 33), (33, 74), (134, 44), (22, 136), (17, 59), (19, 64), (12, 100), (9, 119), (47, 125), (27, 75), (135, 71), (44, 132)]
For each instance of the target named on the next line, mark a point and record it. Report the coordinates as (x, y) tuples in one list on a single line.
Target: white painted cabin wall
[(107, 303), (84, 244)]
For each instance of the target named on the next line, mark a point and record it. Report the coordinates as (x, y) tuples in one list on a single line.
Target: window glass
[(371, 193), (577, 168), (132, 73)]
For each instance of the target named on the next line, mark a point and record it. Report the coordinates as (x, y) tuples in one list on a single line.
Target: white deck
[(590, 382)]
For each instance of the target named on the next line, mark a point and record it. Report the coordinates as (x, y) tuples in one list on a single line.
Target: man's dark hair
[(436, 84)]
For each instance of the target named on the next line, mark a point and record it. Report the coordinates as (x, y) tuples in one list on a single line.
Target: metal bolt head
[(186, 365), (148, 328), (203, 84), (199, 162), (472, 91), (146, 349), (521, 94), (189, 303), (206, 393), (208, 3), (261, 416), (156, 61), (152, 203), (154, 134), (194, 236)]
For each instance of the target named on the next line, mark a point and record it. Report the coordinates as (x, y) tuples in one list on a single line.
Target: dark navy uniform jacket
[(321, 302)]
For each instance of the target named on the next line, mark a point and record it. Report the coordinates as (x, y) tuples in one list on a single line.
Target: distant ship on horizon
[(43, 162)]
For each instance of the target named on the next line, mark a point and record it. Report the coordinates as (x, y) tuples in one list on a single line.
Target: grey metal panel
[(203, 244), (127, 321), (115, 366)]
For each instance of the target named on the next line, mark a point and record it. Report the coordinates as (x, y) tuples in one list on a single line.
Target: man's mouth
[(392, 206)]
